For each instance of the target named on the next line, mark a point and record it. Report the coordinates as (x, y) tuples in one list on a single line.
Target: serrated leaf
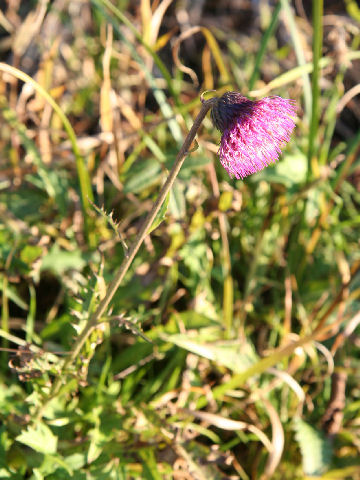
[(315, 449), (39, 438)]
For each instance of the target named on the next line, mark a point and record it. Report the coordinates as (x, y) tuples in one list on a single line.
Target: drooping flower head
[(253, 132)]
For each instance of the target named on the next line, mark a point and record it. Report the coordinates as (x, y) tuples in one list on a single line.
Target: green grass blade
[(30, 321), (263, 44), (299, 52), (315, 109), (4, 314)]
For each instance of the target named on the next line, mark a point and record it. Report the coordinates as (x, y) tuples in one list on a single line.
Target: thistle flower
[(253, 132)]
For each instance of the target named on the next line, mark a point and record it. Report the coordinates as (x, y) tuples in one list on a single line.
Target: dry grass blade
[(29, 28), (289, 380), (129, 113), (145, 11), (328, 356), (106, 109), (348, 330), (229, 424), (277, 442), (349, 95), (214, 48), (175, 51), (157, 18)]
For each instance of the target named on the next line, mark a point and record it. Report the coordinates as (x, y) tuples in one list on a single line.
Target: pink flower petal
[(253, 132)]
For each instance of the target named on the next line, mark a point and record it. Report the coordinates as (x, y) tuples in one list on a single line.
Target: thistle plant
[(253, 133)]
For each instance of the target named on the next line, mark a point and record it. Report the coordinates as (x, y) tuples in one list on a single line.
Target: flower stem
[(143, 232)]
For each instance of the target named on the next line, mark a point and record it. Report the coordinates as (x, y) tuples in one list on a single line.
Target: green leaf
[(13, 295), (39, 438), (150, 468), (5, 444), (190, 319), (177, 200), (52, 462), (161, 214), (4, 473), (30, 253), (145, 174), (192, 164), (353, 9), (154, 148), (76, 461), (315, 449), (235, 355), (290, 171), (59, 261), (97, 439), (225, 200), (37, 475)]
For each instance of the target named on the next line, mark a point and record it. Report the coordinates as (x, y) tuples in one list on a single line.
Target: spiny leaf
[(108, 217)]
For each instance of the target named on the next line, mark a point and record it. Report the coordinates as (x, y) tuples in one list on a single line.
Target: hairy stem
[(148, 221)]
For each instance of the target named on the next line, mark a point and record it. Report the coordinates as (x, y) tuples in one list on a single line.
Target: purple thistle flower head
[(253, 132)]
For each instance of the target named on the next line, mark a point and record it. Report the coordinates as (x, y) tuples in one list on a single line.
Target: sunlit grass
[(232, 336)]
